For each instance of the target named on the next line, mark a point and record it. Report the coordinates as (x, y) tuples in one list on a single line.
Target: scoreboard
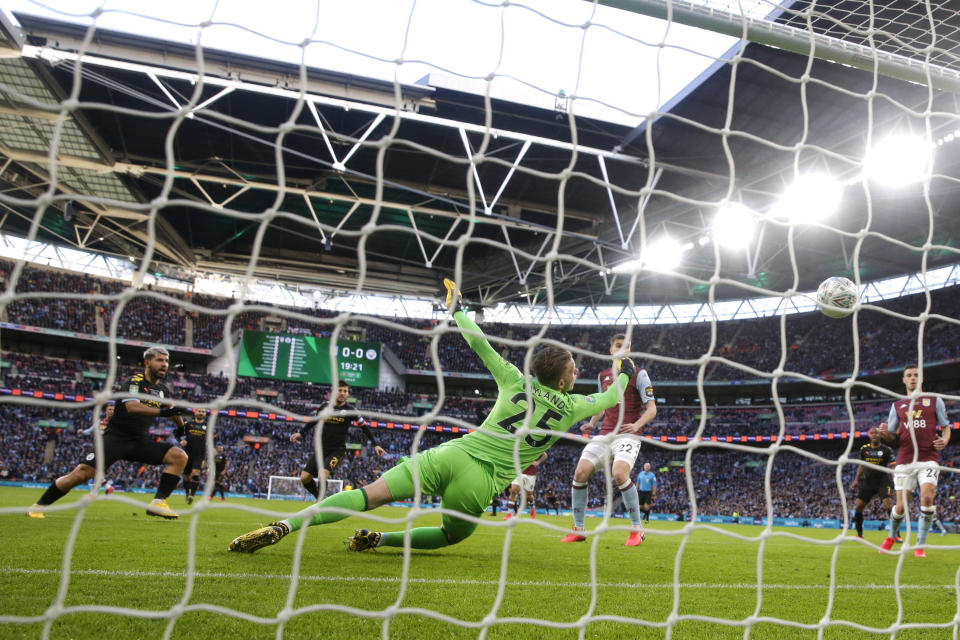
[(282, 356)]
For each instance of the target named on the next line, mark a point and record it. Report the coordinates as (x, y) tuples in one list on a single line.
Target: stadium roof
[(220, 177)]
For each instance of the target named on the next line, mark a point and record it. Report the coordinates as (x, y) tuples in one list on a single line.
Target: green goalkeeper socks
[(420, 538), (355, 500)]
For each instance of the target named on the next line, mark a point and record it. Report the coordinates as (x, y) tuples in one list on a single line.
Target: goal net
[(290, 488), (275, 196)]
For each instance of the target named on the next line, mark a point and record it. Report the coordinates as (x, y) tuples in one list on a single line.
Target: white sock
[(578, 501)]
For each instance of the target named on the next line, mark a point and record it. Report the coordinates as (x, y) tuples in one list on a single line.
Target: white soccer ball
[(836, 297)]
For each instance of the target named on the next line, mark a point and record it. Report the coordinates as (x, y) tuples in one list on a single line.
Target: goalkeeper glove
[(169, 412), (454, 298), (625, 365)]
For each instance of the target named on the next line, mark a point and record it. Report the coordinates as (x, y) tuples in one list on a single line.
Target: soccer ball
[(837, 292)]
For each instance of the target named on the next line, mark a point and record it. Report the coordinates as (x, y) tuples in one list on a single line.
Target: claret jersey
[(920, 417), (635, 397)]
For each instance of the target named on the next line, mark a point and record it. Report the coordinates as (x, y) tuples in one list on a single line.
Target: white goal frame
[(334, 485)]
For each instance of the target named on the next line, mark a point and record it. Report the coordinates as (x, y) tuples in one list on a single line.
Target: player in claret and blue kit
[(919, 424), (467, 472), (619, 437)]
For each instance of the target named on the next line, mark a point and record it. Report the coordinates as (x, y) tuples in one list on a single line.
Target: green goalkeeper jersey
[(553, 414)]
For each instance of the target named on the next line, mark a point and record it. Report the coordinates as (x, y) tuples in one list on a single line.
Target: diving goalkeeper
[(467, 472)]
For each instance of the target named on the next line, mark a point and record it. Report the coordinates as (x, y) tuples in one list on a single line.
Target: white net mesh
[(290, 488), (248, 191)]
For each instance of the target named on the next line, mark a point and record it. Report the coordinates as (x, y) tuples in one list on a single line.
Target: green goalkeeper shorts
[(464, 483)]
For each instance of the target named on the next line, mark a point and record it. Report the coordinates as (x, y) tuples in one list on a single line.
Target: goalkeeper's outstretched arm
[(501, 370)]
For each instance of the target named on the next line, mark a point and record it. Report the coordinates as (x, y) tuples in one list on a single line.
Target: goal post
[(290, 488)]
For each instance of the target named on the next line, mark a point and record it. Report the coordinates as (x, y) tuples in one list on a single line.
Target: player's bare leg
[(858, 516), (310, 483), (532, 503), (190, 484), (61, 486)]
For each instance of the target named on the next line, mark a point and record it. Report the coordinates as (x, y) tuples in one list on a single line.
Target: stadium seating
[(724, 481)]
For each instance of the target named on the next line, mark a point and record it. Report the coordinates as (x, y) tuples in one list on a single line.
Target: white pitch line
[(519, 583)]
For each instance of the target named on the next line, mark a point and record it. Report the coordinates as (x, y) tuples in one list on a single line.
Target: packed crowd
[(807, 344), (725, 482), (43, 442), (33, 372)]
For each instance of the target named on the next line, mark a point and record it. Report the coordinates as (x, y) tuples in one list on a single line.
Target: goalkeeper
[(468, 472)]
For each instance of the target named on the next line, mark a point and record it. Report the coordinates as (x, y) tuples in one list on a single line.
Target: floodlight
[(628, 266), (899, 160), (663, 254), (734, 226), (811, 198)]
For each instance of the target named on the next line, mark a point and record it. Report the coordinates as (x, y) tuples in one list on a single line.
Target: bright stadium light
[(663, 254), (811, 198), (898, 161), (734, 226)]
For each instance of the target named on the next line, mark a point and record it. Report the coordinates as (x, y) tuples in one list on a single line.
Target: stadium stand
[(43, 443)]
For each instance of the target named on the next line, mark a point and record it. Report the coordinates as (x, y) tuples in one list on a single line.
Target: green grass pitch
[(140, 565)]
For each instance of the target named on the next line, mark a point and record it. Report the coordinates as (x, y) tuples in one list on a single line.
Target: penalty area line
[(465, 582)]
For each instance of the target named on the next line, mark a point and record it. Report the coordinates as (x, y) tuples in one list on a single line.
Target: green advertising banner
[(281, 356)]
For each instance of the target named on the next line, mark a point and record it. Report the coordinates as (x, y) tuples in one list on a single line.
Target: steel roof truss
[(323, 236), (423, 250), (164, 89), (513, 167), (643, 205), (436, 253), (339, 166), (356, 145)]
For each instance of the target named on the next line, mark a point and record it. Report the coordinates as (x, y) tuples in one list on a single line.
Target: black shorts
[(116, 446), (195, 457), (330, 462), (645, 496), (882, 490)]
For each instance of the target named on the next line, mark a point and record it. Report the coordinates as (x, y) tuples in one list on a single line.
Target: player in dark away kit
[(127, 438), (876, 483), (220, 464), (333, 440), (192, 436)]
